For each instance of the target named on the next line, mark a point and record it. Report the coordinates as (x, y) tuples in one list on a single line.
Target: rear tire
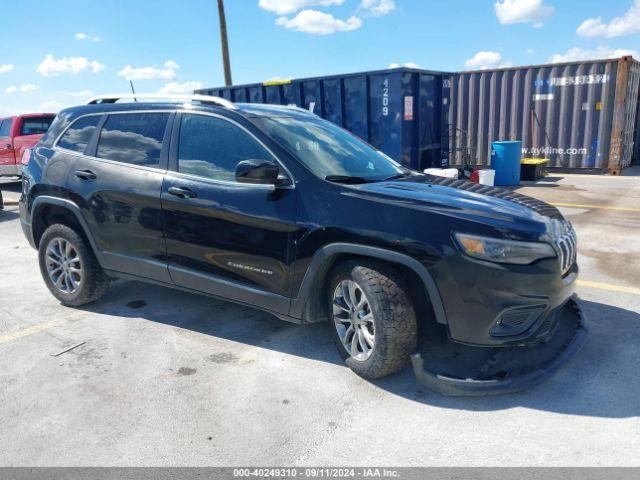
[(69, 268), (376, 330)]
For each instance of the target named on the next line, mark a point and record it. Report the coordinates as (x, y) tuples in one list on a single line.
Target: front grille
[(567, 247)]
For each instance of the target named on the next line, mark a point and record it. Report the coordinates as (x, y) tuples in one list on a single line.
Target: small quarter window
[(134, 138), (77, 136), (212, 148)]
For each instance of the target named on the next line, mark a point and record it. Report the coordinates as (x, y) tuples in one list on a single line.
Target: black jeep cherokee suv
[(278, 209)]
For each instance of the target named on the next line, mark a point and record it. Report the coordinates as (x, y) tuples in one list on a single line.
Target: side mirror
[(263, 172)]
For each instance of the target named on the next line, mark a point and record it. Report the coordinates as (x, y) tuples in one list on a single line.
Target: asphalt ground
[(165, 378)]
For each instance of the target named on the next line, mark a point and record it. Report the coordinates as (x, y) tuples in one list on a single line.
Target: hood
[(514, 214)]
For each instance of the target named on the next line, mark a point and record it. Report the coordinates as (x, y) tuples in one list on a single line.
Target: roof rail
[(141, 97)]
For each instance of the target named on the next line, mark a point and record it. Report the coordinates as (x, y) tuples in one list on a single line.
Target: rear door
[(223, 237), (7, 155), (117, 181)]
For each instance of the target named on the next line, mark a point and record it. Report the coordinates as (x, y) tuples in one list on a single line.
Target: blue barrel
[(505, 160)]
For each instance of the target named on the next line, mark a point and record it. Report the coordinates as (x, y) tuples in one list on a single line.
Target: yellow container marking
[(601, 207), (534, 161), (608, 286), (275, 83)]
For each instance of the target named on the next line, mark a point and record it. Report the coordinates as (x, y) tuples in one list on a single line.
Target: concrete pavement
[(166, 378)]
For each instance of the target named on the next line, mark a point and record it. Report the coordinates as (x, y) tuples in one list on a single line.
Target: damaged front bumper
[(454, 369)]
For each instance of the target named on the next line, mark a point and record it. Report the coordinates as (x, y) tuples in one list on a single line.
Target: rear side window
[(5, 128), (134, 138), (77, 136), (35, 125), (212, 148)]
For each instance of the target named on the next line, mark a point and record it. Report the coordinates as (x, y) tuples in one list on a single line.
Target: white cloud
[(86, 36), (26, 88), (50, 106), (578, 54), (378, 8), (6, 68), (79, 94), (522, 11), (530, 51), (50, 67), (180, 88), (318, 23), (149, 73), (627, 24), (285, 7), (486, 59), (407, 65)]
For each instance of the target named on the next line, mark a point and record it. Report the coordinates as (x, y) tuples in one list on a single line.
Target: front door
[(223, 237)]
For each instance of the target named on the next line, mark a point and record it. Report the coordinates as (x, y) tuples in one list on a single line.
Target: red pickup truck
[(18, 134)]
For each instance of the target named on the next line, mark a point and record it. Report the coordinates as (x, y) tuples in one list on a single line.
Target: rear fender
[(44, 200)]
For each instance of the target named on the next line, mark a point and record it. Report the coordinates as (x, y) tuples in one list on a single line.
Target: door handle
[(86, 175), (182, 192)]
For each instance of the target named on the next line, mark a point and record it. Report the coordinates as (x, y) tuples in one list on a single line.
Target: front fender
[(323, 258)]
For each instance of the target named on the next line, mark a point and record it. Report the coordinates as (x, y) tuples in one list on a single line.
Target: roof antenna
[(133, 90)]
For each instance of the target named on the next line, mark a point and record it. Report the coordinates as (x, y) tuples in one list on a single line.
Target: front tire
[(372, 318), (69, 268)]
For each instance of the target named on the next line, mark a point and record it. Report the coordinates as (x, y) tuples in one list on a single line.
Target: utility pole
[(225, 44)]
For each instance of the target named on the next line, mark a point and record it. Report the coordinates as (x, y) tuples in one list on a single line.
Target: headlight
[(503, 251)]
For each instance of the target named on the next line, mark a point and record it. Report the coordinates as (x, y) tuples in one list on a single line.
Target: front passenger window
[(212, 148)]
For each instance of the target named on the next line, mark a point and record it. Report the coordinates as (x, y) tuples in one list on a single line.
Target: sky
[(60, 53)]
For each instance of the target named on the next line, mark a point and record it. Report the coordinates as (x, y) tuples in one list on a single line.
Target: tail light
[(26, 155)]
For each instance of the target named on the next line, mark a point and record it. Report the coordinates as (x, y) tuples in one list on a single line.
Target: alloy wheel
[(63, 265), (353, 320)]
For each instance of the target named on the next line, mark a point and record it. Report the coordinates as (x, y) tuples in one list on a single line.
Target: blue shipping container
[(403, 112)]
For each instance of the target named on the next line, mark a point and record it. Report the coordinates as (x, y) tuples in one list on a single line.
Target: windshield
[(328, 150)]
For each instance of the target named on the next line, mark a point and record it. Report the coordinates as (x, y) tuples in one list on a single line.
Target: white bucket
[(442, 172), (486, 176)]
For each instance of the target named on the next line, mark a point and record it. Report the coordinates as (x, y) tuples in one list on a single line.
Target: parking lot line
[(28, 331), (72, 316), (554, 176), (602, 207), (608, 286)]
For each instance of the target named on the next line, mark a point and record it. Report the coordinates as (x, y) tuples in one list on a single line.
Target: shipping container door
[(333, 101), (430, 127), (386, 107), (255, 94), (355, 106), (240, 95), (312, 96), (273, 94), (291, 94)]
